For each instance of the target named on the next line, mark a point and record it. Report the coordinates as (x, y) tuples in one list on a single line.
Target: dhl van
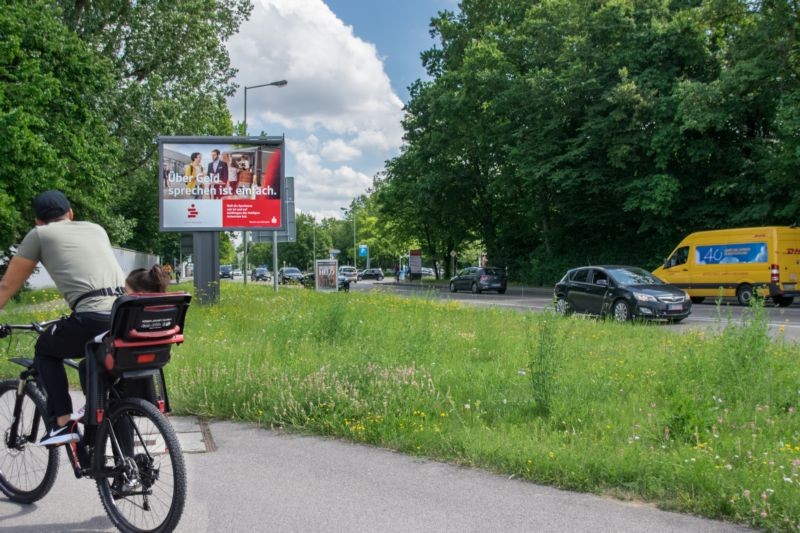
[(737, 262)]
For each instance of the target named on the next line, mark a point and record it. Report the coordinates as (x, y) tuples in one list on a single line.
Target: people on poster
[(165, 174), (233, 172), (218, 171), (194, 170), (245, 176)]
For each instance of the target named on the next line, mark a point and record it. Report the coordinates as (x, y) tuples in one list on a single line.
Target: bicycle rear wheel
[(139, 446), (27, 471)]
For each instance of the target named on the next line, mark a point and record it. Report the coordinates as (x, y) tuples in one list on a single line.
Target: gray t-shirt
[(79, 258)]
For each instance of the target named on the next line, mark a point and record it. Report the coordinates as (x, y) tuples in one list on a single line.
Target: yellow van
[(737, 262)]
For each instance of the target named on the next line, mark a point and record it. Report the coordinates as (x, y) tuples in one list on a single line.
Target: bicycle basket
[(143, 329)]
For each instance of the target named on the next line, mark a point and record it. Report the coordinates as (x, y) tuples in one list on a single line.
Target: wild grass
[(704, 422)]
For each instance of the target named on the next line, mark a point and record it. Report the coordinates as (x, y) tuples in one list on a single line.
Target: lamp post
[(353, 213), (279, 83)]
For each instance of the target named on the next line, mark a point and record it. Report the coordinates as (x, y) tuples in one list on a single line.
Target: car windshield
[(493, 271), (292, 271), (634, 276)]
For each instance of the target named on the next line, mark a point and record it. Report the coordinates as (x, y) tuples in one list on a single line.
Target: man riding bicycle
[(79, 258)]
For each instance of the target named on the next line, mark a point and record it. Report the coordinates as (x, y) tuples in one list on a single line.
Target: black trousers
[(65, 339)]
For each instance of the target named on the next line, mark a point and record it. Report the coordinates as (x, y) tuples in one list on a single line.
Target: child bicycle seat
[(143, 329)]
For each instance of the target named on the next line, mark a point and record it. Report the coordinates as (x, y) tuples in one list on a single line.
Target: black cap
[(50, 204)]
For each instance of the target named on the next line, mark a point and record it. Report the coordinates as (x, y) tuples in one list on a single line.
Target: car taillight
[(775, 273), (484, 278)]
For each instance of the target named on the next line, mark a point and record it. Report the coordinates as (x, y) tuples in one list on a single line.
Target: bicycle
[(128, 446)]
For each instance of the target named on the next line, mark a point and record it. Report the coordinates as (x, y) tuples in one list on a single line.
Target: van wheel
[(475, 289), (698, 299), (744, 293), (783, 301)]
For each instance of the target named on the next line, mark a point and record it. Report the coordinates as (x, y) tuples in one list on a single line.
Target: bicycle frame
[(100, 392)]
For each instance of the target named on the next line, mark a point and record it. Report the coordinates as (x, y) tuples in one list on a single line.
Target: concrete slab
[(184, 424), (192, 442)]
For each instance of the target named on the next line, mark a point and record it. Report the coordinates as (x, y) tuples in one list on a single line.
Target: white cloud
[(338, 150), (339, 98), (324, 189), (336, 80)]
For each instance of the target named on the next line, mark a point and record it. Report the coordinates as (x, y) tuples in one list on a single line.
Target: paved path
[(260, 480)]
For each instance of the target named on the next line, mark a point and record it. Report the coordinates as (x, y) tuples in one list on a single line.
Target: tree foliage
[(86, 86), (53, 108), (572, 132)]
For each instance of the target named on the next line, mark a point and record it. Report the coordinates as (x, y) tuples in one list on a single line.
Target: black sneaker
[(60, 435)]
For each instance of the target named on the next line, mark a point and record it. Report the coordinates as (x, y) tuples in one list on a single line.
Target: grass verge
[(702, 422)]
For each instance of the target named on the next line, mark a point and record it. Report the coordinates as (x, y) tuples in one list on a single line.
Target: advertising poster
[(415, 261), (326, 275), (221, 183), (753, 252)]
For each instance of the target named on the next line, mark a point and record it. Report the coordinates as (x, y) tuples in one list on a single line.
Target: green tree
[(171, 73), (54, 104)]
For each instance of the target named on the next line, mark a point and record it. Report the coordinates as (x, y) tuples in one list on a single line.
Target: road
[(783, 322)]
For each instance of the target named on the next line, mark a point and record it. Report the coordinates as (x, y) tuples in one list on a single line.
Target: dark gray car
[(623, 292), (479, 279)]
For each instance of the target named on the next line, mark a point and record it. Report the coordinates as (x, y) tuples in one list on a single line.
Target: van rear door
[(789, 258)]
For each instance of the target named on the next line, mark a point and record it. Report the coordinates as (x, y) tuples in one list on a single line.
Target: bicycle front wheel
[(139, 450), (27, 471)]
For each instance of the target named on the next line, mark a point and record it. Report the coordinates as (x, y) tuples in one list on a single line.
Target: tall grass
[(704, 422)]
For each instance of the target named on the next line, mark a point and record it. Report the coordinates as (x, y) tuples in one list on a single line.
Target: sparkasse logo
[(193, 212)]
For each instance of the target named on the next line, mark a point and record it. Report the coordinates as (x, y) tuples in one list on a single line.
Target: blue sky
[(348, 64), (399, 29)]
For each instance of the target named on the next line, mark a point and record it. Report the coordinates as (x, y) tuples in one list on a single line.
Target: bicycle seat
[(143, 329)]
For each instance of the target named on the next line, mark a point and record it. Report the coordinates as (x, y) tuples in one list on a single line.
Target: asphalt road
[(261, 480), (783, 321)]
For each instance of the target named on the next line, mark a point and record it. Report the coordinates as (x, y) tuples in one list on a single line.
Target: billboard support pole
[(206, 267), (275, 260), (244, 269)]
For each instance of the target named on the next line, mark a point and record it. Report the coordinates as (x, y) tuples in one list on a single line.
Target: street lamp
[(353, 212), (279, 84)]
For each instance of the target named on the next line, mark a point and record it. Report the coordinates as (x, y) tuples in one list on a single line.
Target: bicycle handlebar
[(38, 327)]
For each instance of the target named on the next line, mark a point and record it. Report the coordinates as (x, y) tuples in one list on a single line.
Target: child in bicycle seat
[(140, 280)]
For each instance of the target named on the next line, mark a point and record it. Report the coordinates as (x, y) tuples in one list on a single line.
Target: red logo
[(793, 251), (193, 212)]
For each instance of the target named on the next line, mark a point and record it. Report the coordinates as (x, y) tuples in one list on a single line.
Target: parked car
[(260, 274), (479, 279), (290, 275), (237, 273), (622, 292), (349, 272), (226, 271), (428, 272), (371, 273)]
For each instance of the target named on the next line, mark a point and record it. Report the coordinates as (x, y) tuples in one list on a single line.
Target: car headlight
[(642, 297)]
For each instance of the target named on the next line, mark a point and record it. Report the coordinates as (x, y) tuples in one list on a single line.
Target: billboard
[(221, 183)]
